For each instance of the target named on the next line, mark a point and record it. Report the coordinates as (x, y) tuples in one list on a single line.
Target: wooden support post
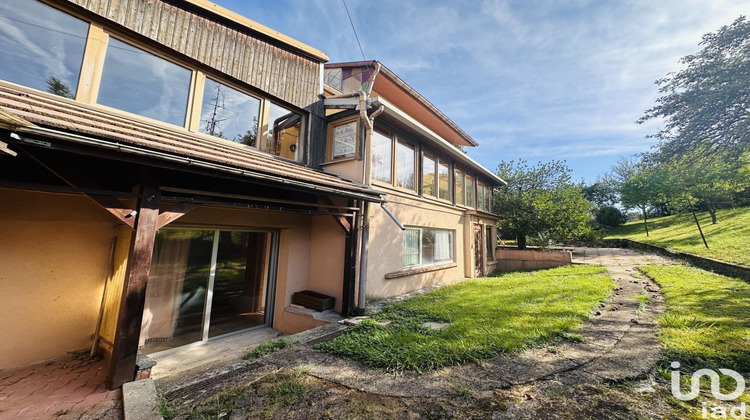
[(350, 267), (125, 348)]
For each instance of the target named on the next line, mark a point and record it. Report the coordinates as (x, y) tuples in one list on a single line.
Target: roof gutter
[(125, 148)]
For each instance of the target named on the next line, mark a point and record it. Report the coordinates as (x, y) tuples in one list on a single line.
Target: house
[(436, 225), (156, 180), (170, 174)]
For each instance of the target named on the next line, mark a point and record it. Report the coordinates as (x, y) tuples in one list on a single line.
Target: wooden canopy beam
[(175, 212), (340, 220), (109, 203)]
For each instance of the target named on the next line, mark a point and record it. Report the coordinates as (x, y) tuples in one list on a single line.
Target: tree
[(705, 106), (603, 192), (56, 86), (541, 201), (610, 216), (647, 186)]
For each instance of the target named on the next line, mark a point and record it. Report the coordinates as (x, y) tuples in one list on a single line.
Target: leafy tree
[(647, 186), (705, 106), (541, 201), (603, 192), (610, 216), (56, 86)]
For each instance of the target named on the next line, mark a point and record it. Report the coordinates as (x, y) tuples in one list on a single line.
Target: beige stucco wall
[(54, 253), (385, 249)]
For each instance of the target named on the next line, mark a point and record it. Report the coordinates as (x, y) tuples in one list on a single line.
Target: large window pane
[(469, 190), (229, 113), (428, 176), (444, 175), (405, 166), (136, 81), (239, 293), (382, 150), (481, 202), (284, 129), (425, 246), (176, 291), (41, 47), (458, 187)]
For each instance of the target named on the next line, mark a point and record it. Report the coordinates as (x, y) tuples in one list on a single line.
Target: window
[(428, 176), (470, 191), (229, 113), (136, 81), (481, 201), (343, 141), (444, 177), (382, 152), (491, 242), (284, 129), (425, 246), (405, 162), (458, 186), (41, 47)]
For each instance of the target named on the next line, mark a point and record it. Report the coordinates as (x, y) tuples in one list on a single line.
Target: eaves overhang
[(440, 143)]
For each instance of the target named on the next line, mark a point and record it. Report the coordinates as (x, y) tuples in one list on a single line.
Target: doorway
[(204, 284), (478, 251)]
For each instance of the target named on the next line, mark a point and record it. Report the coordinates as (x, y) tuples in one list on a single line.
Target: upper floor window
[(444, 176), (405, 166), (284, 133), (458, 186), (229, 113), (47, 49), (428, 176), (481, 201), (382, 152), (41, 47), (342, 142), (470, 191), (136, 81)]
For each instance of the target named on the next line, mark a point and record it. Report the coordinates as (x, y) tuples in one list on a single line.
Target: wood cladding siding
[(261, 64)]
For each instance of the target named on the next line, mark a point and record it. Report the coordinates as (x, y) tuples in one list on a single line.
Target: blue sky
[(531, 79)]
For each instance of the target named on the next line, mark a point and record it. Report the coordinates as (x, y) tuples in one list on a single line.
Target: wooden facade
[(288, 75)]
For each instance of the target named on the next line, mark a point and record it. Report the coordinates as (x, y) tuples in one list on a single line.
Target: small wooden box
[(313, 300)]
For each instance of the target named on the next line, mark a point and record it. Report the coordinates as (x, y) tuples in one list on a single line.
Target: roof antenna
[(355, 31)]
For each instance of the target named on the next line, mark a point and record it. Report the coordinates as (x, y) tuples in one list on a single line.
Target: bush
[(610, 216)]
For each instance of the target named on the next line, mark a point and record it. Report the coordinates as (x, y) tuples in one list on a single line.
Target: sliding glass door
[(203, 284)]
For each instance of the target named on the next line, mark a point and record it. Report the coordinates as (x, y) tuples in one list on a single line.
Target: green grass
[(707, 322), (267, 347), (728, 240), (487, 317)]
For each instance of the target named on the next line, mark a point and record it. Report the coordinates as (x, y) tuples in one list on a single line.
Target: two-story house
[(170, 174), (436, 225)]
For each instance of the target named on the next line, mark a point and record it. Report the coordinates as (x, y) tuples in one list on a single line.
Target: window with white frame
[(427, 246)]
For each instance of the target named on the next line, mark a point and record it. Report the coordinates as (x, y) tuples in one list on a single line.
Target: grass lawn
[(486, 317), (728, 240), (707, 322)]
